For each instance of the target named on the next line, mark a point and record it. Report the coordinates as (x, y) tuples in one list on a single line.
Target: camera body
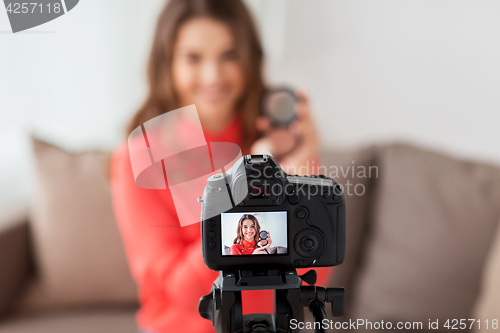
[(304, 215)]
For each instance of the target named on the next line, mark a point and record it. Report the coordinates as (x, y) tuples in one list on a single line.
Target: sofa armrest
[(14, 263)]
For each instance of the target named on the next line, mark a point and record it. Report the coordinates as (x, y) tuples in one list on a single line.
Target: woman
[(247, 239), (207, 53)]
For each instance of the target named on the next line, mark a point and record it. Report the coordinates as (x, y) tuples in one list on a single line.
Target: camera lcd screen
[(254, 233)]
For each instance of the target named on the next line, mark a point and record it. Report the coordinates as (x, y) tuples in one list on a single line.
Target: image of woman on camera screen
[(207, 53), (248, 239)]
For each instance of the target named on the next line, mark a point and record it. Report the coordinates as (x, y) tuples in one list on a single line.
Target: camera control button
[(211, 234), (217, 181), (308, 243), (212, 245), (300, 263), (211, 223), (300, 213), (294, 199)]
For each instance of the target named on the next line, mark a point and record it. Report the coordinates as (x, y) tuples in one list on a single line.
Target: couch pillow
[(435, 217), (356, 171), (488, 304), (14, 263), (78, 251)]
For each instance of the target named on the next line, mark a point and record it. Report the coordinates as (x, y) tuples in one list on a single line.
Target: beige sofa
[(420, 232)]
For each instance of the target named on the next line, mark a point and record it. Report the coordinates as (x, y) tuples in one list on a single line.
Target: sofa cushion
[(78, 251), (81, 321), (356, 171), (488, 303), (434, 220), (14, 263)]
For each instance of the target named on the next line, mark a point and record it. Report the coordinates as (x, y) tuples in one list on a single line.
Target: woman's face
[(206, 70), (248, 229)]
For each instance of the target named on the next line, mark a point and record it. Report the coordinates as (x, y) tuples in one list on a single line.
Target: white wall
[(425, 71), (78, 78), (74, 81)]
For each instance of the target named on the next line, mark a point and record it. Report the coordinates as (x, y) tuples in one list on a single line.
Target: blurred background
[(423, 72), (420, 71)]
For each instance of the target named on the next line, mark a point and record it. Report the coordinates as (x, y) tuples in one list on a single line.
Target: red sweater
[(166, 259), (243, 247)]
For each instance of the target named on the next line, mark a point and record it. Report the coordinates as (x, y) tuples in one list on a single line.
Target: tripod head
[(223, 305)]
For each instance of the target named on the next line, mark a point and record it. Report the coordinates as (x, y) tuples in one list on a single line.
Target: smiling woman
[(207, 53), (246, 240), (206, 71)]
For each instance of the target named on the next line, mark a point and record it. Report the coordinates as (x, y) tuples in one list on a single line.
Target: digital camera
[(255, 216)]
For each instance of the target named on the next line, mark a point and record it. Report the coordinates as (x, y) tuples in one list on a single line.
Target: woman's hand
[(259, 250), (262, 249), (296, 146), (269, 241)]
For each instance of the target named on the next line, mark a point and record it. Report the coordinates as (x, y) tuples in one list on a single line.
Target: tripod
[(223, 305)]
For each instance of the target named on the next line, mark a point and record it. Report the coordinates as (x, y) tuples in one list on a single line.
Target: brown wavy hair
[(239, 230), (162, 97)]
